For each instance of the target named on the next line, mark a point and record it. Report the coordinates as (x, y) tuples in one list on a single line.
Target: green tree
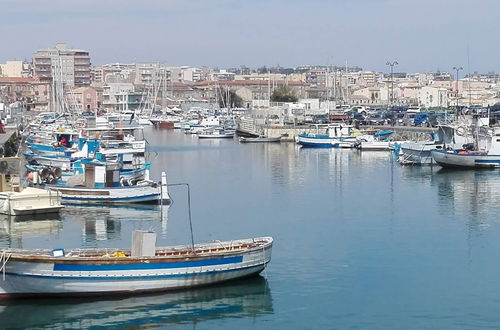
[(284, 94)]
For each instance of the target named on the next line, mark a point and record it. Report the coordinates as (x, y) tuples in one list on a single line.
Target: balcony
[(46, 60)]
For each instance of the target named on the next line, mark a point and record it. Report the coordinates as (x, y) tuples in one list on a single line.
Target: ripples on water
[(360, 242)]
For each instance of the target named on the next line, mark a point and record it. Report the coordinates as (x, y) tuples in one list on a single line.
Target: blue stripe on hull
[(155, 265), (487, 161), (145, 198), (315, 145)]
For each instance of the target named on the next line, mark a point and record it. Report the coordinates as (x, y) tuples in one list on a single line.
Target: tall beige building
[(72, 66)]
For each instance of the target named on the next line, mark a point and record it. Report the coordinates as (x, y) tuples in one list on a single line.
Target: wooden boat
[(143, 268), (259, 139)]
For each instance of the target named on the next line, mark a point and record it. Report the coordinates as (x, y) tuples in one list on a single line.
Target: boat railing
[(4, 257)]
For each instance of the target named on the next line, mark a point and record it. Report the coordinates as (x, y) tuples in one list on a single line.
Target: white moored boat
[(216, 134), (143, 268), (30, 201), (17, 200)]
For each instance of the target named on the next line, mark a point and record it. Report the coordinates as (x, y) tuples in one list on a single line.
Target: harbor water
[(360, 242)]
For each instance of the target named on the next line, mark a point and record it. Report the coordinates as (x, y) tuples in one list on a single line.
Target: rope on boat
[(3, 262), (189, 210)]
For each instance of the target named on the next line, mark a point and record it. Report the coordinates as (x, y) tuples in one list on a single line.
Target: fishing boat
[(102, 184), (419, 152), (335, 135), (52, 175), (261, 138), (143, 268), (473, 155)]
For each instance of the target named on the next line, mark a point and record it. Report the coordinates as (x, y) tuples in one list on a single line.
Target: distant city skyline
[(422, 36)]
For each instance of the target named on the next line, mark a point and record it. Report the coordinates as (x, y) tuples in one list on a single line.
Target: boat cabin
[(100, 176)]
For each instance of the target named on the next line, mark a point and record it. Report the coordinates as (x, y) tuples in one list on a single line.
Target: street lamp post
[(392, 64), (456, 85)]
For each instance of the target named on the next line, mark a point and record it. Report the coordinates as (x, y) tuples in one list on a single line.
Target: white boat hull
[(376, 145), (414, 153), (453, 159), (31, 201), (119, 195)]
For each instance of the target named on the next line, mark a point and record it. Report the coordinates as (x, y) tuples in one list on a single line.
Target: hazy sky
[(422, 35)]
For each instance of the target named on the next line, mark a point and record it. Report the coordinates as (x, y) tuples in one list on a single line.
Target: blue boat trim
[(316, 145), (86, 198), (154, 265), (486, 161)]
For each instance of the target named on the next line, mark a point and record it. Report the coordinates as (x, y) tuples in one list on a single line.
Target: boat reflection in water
[(470, 193), (235, 299), (13, 229), (102, 223)]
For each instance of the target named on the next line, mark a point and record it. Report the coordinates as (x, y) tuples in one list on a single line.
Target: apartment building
[(71, 66), (116, 96)]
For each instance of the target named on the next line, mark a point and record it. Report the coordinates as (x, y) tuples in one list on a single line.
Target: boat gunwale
[(163, 254)]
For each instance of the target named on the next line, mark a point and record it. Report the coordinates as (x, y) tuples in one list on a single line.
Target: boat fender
[(124, 182), (461, 131)]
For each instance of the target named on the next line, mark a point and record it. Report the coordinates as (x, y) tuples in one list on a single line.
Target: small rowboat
[(112, 271), (216, 134)]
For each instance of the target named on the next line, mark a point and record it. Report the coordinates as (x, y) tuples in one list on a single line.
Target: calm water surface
[(360, 242)]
